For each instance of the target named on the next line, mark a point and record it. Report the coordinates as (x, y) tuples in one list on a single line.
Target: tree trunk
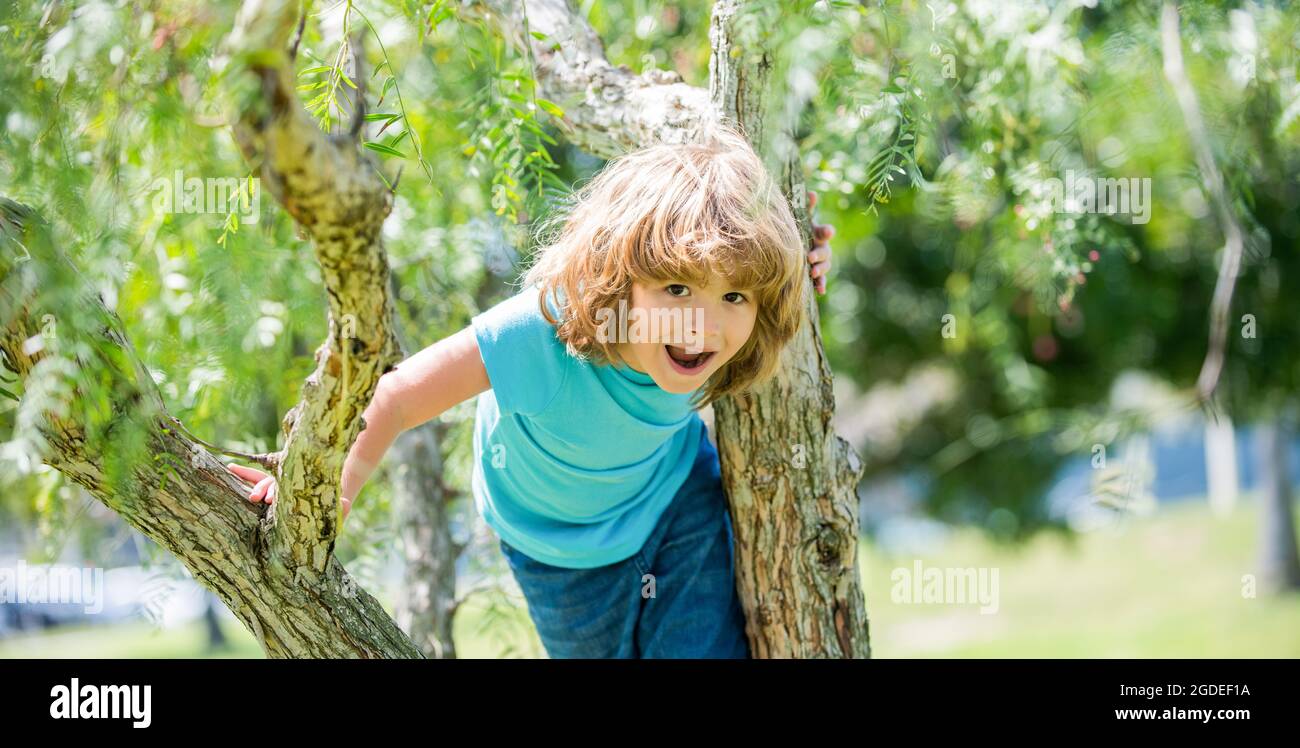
[(212, 624), (791, 481), (428, 600), (1279, 562), (1221, 478), (427, 603)]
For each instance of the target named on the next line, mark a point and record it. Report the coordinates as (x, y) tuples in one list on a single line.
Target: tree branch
[(333, 190), (181, 497), (608, 110), (1212, 179)]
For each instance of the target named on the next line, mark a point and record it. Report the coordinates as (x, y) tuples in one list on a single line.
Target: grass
[(1168, 585), (137, 640)]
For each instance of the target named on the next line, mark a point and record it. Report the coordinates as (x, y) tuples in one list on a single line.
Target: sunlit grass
[(136, 640), (1168, 585)]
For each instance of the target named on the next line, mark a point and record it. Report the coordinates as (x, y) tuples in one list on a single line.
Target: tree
[(1029, 313), (791, 482)]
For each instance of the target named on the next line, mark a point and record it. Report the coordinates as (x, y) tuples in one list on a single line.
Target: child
[(675, 278)]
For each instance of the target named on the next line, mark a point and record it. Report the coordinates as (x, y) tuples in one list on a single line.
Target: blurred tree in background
[(981, 104)]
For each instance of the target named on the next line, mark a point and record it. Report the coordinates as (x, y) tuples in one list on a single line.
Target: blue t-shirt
[(574, 462)]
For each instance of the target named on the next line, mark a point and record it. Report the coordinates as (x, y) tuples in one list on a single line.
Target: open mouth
[(687, 363)]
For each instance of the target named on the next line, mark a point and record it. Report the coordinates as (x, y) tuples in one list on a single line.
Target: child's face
[(679, 319)]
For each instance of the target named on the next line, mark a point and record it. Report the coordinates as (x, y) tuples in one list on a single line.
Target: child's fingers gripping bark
[(263, 484), (819, 257), (252, 475), (264, 491)]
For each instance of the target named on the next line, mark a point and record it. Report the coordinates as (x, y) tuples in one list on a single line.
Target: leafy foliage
[(929, 129)]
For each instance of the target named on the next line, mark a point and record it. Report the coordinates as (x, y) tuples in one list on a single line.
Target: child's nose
[(710, 322)]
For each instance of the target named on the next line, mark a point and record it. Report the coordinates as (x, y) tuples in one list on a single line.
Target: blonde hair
[(677, 212)]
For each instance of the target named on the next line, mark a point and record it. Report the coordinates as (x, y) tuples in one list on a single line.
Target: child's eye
[(740, 297), (671, 286)]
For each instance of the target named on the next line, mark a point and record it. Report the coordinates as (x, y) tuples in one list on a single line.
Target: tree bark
[(790, 480)]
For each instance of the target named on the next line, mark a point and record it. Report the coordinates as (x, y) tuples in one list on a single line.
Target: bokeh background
[(1017, 373)]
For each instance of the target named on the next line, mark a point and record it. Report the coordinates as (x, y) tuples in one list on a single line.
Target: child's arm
[(420, 389)]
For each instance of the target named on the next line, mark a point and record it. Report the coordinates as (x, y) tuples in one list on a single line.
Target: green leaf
[(313, 71), (387, 85), (550, 107), (386, 150), (388, 124)]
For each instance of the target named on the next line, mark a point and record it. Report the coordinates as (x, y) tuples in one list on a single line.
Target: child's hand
[(263, 484), (820, 255)]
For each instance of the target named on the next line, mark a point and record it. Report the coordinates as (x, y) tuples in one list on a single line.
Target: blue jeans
[(675, 598)]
